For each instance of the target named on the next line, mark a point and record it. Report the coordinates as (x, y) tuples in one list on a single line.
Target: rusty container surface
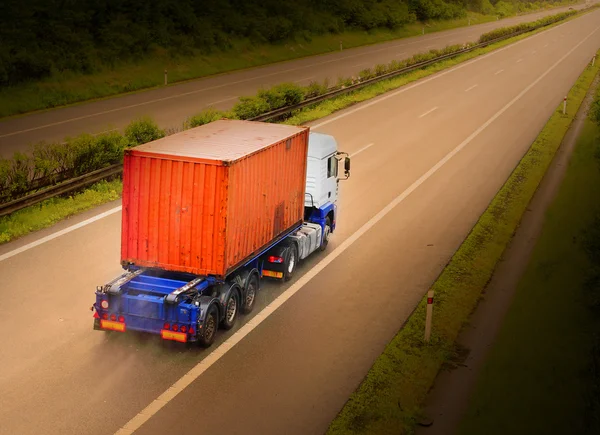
[(206, 200)]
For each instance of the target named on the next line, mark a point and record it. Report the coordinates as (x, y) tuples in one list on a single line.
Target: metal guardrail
[(61, 188), (100, 174), (274, 114)]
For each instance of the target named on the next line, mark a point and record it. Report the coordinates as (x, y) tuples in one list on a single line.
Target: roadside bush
[(92, 153), (249, 107), (143, 130), (314, 89), (206, 116), (49, 163), (285, 94), (505, 31)]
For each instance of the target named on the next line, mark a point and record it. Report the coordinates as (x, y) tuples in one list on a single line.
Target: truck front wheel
[(291, 262), (326, 234), (208, 331)]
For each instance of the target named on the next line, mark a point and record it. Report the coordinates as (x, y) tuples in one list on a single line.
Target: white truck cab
[(322, 171)]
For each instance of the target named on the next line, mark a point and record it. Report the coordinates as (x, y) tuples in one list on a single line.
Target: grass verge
[(53, 210), (71, 88), (544, 367), (309, 114), (390, 397)]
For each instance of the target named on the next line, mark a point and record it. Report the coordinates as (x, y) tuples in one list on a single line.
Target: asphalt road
[(170, 106), (296, 369)]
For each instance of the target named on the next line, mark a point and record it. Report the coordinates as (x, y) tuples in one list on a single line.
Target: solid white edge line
[(471, 88), (59, 233), (156, 405)]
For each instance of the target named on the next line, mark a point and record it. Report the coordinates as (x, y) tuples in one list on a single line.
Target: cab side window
[(332, 167)]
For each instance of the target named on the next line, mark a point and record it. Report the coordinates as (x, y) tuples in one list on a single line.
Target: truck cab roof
[(321, 146)]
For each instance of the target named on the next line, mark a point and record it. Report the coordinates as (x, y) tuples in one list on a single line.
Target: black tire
[(326, 234), (232, 309), (208, 332), (291, 262), (250, 294)]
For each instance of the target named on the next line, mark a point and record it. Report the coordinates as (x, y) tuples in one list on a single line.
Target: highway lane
[(296, 369), (171, 105)]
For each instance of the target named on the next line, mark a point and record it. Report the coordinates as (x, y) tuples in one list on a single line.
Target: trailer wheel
[(250, 294), (291, 262), (326, 234), (231, 310), (206, 334)]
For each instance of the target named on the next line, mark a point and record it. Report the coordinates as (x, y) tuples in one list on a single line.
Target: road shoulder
[(448, 400)]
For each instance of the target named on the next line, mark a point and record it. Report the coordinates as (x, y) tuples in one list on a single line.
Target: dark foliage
[(44, 37)]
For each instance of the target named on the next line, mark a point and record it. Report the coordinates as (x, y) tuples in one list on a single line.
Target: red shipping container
[(207, 199)]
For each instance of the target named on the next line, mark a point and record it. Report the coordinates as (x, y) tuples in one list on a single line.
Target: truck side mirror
[(347, 166)]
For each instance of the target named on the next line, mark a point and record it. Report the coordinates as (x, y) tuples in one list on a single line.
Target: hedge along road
[(170, 106), (305, 359)]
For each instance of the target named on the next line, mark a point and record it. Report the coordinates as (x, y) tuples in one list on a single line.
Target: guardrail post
[(565, 106), (423, 30), (593, 60), (165, 77), (428, 316)]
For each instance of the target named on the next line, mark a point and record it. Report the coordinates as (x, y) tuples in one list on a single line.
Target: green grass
[(540, 371), (389, 399), (53, 210), (69, 88)]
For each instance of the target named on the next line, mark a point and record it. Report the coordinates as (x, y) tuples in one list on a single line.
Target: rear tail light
[(121, 319), (113, 317), (105, 316), (167, 325), (192, 331), (273, 259), (183, 329), (175, 328)]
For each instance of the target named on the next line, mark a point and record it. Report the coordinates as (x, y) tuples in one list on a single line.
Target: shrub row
[(52, 163), (527, 27)]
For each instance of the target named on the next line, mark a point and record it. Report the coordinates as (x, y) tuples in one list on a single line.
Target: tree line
[(39, 38)]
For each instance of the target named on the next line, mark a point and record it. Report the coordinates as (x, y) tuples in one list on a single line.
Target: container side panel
[(266, 197), (197, 216), (163, 211), (175, 212), (126, 204), (154, 214), (135, 208), (208, 217), (186, 209), (145, 198), (220, 224)]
